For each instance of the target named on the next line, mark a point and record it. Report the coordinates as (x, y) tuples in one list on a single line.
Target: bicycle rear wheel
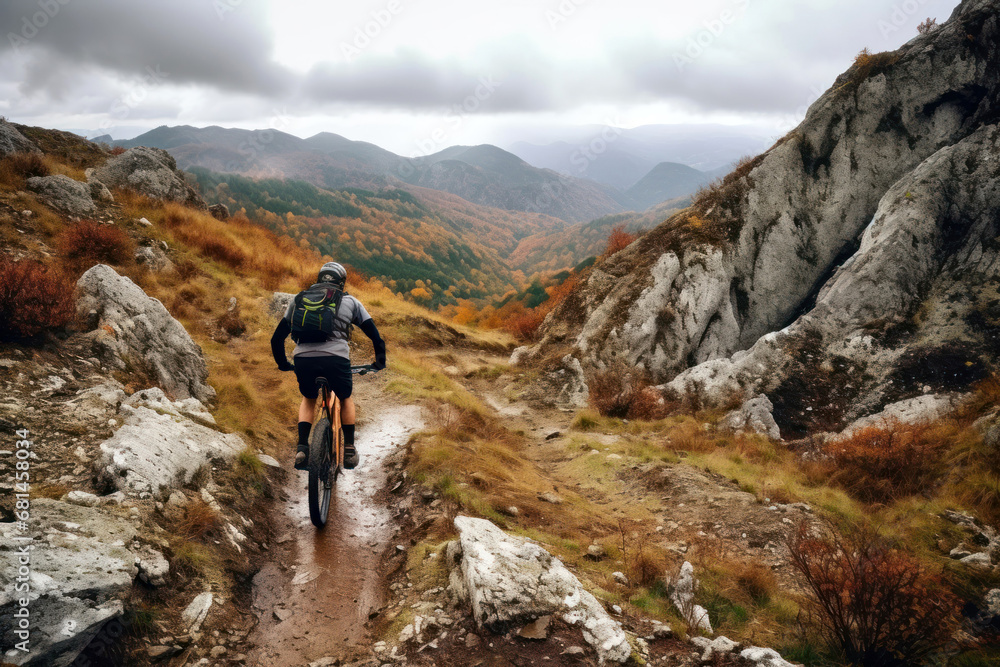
[(322, 471)]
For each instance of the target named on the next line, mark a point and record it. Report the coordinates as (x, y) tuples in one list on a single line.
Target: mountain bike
[(326, 449)]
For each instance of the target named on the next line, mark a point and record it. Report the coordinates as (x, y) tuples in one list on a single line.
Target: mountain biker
[(330, 359)]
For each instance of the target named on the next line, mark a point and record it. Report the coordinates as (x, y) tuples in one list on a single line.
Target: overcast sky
[(394, 71)]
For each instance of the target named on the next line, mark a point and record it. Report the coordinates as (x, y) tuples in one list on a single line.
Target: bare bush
[(33, 298), (877, 604), (622, 391)]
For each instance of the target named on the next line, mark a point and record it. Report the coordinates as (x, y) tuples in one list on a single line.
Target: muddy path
[(314, 599)]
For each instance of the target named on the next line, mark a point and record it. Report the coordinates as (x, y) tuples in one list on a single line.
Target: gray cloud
[(94, 56)]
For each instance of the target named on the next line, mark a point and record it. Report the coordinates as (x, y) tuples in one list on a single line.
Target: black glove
[(286, 366), (379, 364)]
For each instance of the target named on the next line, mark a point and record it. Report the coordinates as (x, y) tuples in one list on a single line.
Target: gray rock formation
[(512, 581), (219, 211), (155, 399), (153, 258), (129, 327), (63, 193), (682, 595), (811, 260), (279, 303), (81, 566), (149, 171), (754, 416), (12, 141), (154, 451), (911, 411)]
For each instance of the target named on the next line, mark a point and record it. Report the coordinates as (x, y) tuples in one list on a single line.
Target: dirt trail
[(318, 605)]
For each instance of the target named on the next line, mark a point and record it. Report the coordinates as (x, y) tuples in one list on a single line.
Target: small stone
[(217, 651), (471, 640), (596, 552), (513, 511), (144, 222), (539, 629), (960, 552), (550, 497), (620, 578), (282, 614), (160, 652), (980, 561), (82, 498), (576, 651), (269, 460), (553, 435)]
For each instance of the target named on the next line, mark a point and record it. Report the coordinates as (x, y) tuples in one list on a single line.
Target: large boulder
[(63, 193), (131, 328), (929, 245), (754, 416), (511, 581), (82, 563), (12, 141), (149, 171), (153, 451)]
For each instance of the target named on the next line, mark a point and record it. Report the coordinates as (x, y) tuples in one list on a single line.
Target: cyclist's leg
[(341, 382), (306, 372), (347, 411)]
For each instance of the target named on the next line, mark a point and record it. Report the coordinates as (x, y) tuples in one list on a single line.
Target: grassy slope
[(482, 466)]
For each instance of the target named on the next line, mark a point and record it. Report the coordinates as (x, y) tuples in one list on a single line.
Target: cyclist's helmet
[(333, 273)]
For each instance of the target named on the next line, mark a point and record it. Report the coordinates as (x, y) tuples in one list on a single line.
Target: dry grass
[(884, 462), (16, 168), (626, 392), (33, 299), (87, 243), (198, 520)]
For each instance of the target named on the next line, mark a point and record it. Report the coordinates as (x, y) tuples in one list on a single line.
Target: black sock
[(304, 428), (348, 434)]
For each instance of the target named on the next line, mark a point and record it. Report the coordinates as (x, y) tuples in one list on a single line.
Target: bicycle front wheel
[(320, 465)]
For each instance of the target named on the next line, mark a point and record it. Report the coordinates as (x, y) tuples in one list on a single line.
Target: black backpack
[(314, 316)]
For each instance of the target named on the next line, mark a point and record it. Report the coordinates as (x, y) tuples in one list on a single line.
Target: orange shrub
[(618, 239), (892, 460), (876, 604), (33, 299), (625, 392), (87, 242), (117, 150), (23, 165)]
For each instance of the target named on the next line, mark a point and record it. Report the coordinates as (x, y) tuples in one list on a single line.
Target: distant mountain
[(555, 250), (666, 180), (620, 157), (484, 175)]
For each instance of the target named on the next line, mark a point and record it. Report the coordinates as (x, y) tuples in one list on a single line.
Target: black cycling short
[(337, 370)]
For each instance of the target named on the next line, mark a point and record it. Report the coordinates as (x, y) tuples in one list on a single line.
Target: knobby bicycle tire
[(321, 468)]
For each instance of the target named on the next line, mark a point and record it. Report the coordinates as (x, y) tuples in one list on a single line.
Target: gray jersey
[(351, 311)]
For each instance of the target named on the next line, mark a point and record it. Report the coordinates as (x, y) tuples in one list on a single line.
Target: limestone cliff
[(814, 258)]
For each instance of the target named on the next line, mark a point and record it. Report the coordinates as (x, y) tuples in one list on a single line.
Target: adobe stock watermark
[(122, 107), (252, 147), (31, 25), (454, 117), (581, 158), (711, 31), (21, 576), (790, 121), (365, 34), (901, 15), (562, 12), (224, 7)]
